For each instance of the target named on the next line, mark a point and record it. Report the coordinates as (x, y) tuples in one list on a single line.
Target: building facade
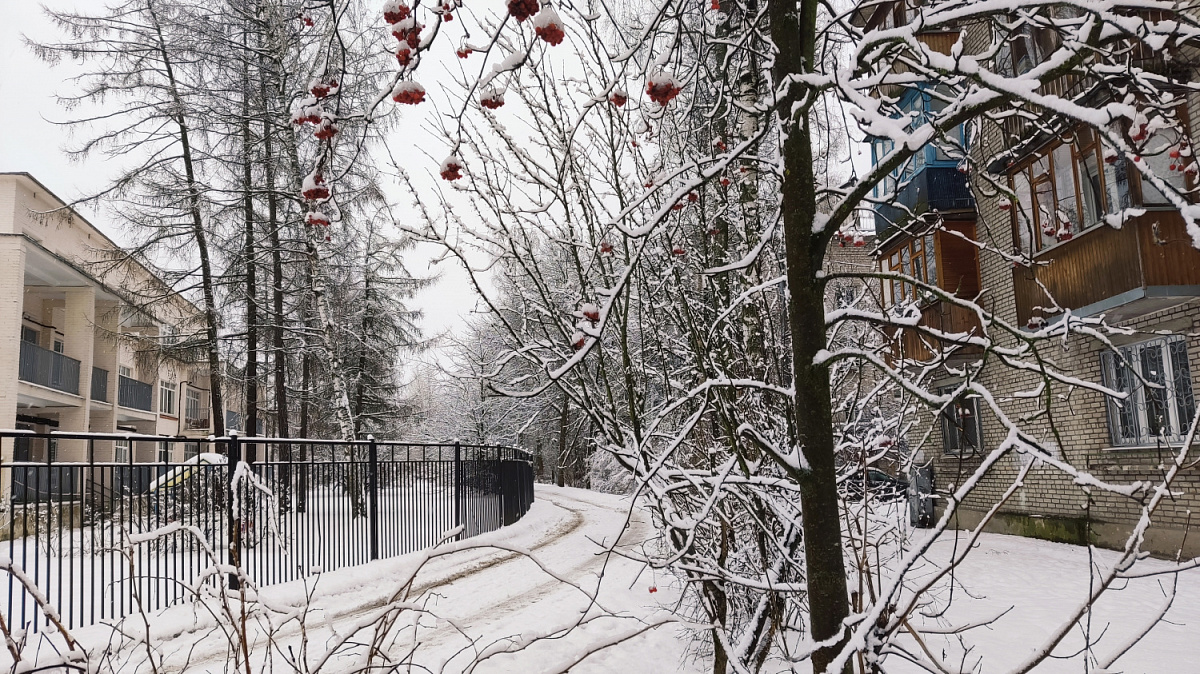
[(90, 340), (1047, 253)]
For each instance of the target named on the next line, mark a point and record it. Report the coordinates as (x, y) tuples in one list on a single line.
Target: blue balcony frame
[(928, 182)]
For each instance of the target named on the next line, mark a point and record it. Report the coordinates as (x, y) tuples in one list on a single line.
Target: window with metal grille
[(960, 425), (1158, 405)]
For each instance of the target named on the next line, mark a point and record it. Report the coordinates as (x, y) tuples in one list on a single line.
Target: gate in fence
[(102, 539)]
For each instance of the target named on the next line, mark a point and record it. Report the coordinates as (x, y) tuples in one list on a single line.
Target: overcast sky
[(31, 142)]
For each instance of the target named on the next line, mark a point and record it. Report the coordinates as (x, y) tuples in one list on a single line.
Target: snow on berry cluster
[(662, 87), (395, 11), (323, 87), (549, 26), (408, 92), (522, 9), (314, 188), (491, 97), (451, 168)]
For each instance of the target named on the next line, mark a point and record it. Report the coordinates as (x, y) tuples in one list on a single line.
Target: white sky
[(30, 142)]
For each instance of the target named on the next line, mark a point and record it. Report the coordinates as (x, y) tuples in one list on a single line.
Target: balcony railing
[(99, 384), (48, 368), (134, 394)]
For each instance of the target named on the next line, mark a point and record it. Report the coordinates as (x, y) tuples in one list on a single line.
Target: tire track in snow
[(318, 618)]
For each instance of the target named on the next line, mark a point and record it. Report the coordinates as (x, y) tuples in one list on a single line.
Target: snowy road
[(495, 597)]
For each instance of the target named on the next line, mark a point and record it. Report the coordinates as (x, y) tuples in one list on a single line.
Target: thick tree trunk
[(794, 34)]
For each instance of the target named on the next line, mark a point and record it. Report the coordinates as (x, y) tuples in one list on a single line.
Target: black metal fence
[(103, 539)]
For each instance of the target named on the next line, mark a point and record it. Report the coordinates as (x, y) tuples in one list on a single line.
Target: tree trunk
[(206, 275), (794, 34), (250, 424)]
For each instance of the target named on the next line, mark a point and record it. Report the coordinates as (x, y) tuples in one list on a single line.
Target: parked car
[(879, 485)]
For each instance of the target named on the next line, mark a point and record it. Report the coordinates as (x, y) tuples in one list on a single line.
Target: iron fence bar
[(373, 491), (82, 507), (233, 456)]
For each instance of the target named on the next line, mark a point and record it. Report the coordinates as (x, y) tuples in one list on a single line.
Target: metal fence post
[(458, 490), (373, 487), (233, 457)]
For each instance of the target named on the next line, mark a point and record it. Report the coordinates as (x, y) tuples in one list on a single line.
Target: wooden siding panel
[(939, 316), (939, 42), (958, 260), (1100, 263), (1169, 259)]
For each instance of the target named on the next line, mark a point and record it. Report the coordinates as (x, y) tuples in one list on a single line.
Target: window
[(169, 335), (1030, 47), (52, 447), (960, 424), (29, 334), (125, 371), (913, 258), (191, 450), (195, 410), (59, 347), (1158, 405), (164, 451), (121, 450), (844, 296), (1063, 190), (166, 398), (1157, 154)]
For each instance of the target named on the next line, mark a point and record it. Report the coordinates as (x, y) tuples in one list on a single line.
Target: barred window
[(960, 424), (1159, 404)]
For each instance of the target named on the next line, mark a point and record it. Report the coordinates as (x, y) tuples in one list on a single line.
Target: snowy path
[(491, 595), (498, 597)]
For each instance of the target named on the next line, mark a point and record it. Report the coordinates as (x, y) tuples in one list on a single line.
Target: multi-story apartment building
[(1143, 275), (90, 339)]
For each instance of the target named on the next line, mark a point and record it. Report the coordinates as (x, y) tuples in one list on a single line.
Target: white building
[(75, 353)]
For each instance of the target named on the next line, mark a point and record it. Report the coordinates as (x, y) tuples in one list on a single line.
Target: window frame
[(953, 427), (1137, 419), (122, 450), (895, 261), (167, 393)]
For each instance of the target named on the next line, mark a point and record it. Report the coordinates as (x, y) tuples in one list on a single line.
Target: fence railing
[(134, 394), (100, 384), (48, 368), (102, 540)]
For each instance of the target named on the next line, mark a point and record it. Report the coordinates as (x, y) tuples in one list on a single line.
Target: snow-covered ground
[(1039, 584), (488, 600), (495, 596)]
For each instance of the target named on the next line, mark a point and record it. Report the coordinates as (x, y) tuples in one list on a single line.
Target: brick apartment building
[(79, 349), (1144, 276)]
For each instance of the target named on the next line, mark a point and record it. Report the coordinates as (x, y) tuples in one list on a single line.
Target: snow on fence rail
[(102, 539)]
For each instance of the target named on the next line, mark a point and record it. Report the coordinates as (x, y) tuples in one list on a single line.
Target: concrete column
[(79, 338), (105, 356), (12, 300)]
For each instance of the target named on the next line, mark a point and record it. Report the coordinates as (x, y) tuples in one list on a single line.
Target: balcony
[(1147, 265), (134, 394), (48, 368), (934, 188), (99, 385), (912, 344)]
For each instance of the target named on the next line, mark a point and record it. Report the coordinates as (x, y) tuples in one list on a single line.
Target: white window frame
[(122, 450), (164, 451), (166, 398), (1128, 369)]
